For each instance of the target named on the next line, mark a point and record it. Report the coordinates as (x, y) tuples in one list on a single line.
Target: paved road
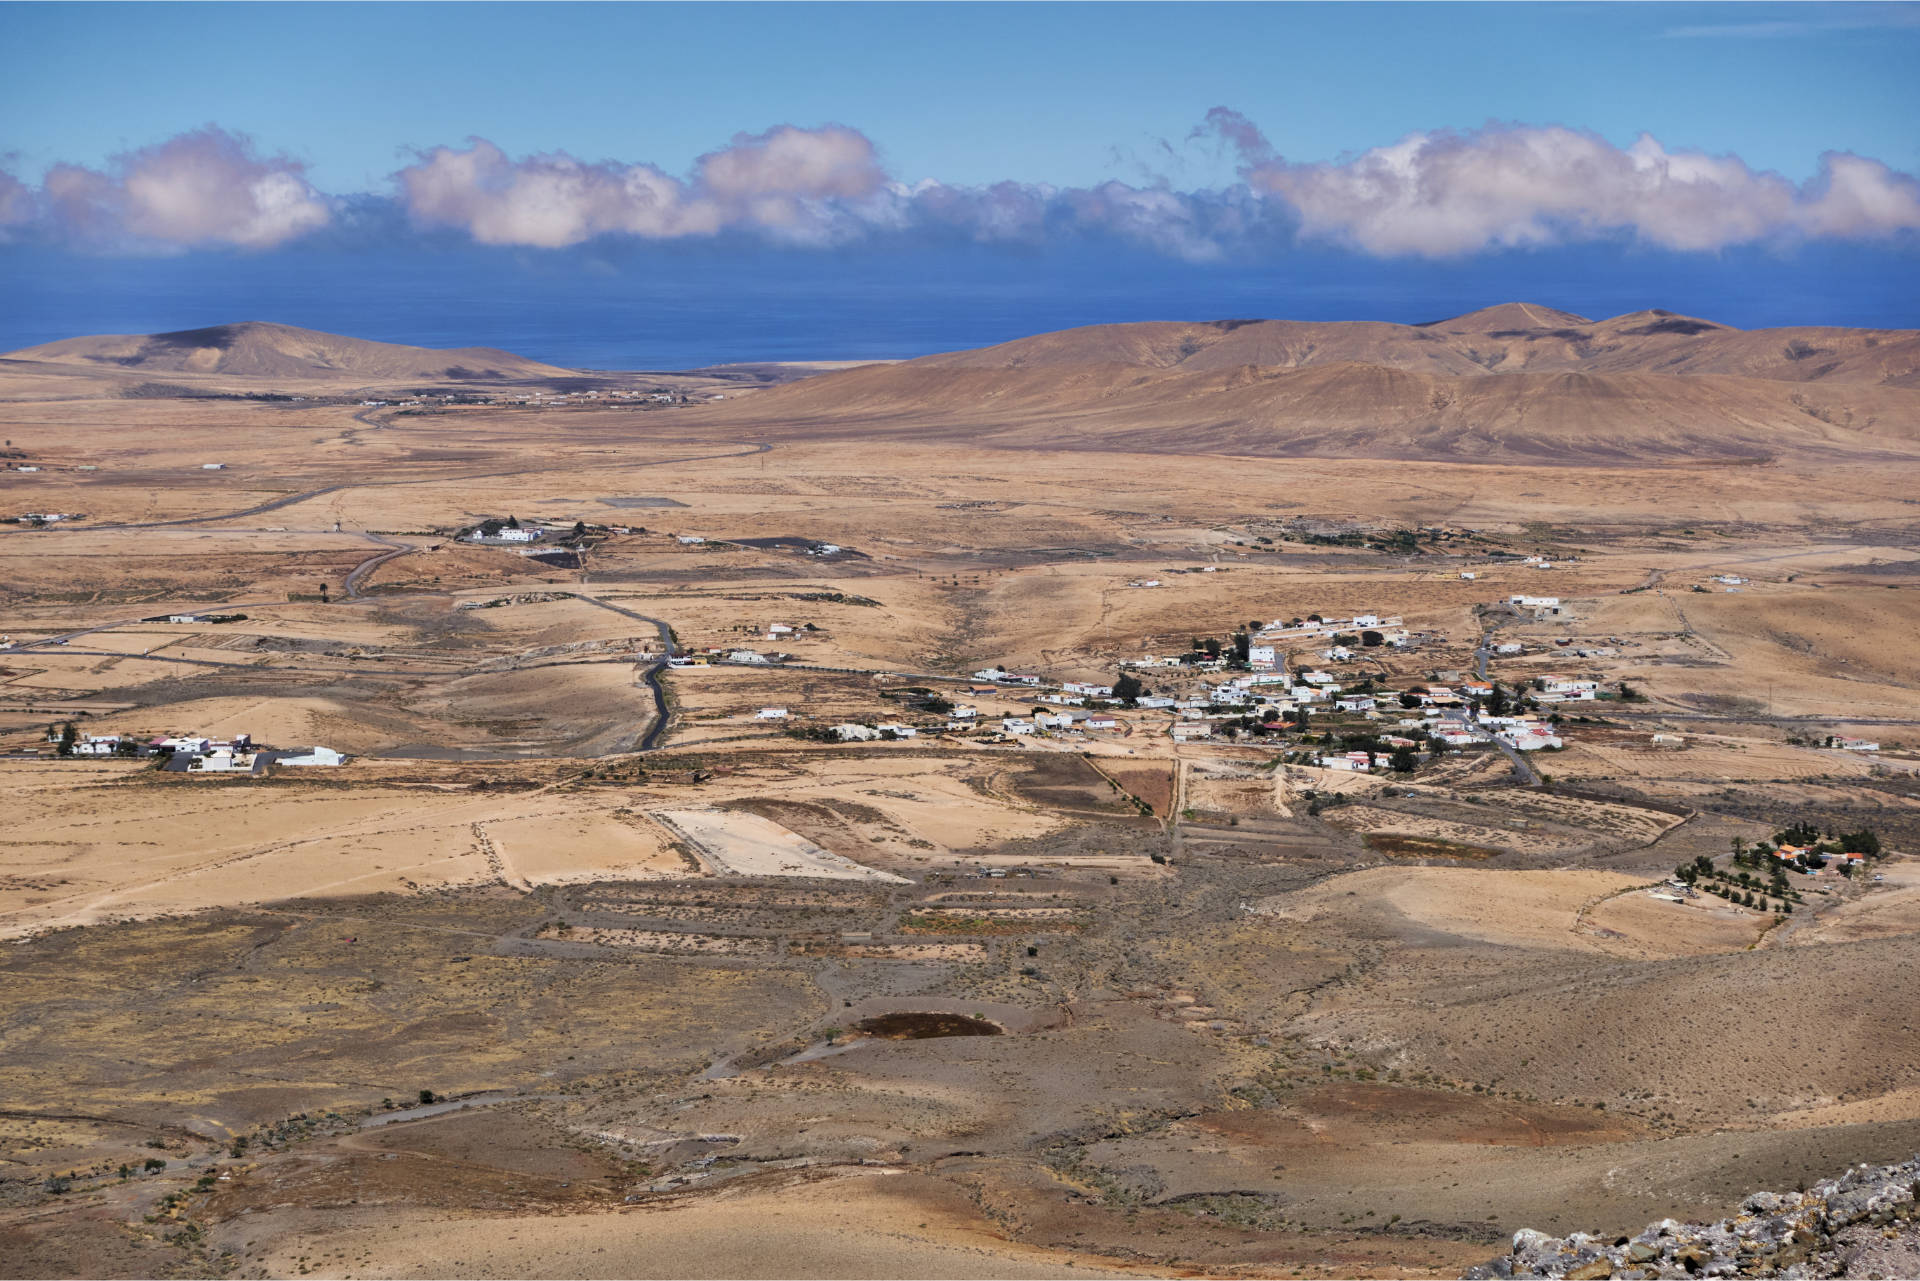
[(271, 505), (649, 741), (1610, 712), (1523, 772), (359, 572), (353, 581), (441, 479)]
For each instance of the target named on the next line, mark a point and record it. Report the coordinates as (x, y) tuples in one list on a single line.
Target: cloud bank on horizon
[(1439, 194)]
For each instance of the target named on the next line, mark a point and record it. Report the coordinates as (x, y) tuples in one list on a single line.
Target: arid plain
[(539, 982)]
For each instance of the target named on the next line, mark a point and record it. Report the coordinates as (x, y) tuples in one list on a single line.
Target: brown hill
[(258, 350), (1508, 382)]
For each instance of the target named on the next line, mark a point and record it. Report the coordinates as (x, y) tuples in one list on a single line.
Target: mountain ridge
[(265, 349), (1649, 385)]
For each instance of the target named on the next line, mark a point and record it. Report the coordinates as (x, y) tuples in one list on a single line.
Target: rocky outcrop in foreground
[(1866, 1223)]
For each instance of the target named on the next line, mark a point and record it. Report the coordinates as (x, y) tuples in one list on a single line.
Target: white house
[(318, 756), (1570, 686), (1354, 703), (203, 467), (778, 629), (897, 729), (1263, 657), (1102, 723), (963, 712), (753, 656), (1509, 647), (1087, 688), (182, 618), (854, 733), (1468, 575), (689, 540), (221, 760), (1155, 701), (1186, 731), (1856, 745), (504, 535), (771, 714), (1528, 736), (1016, 725)]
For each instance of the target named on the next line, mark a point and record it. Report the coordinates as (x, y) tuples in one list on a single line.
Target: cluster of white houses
[(200, 754)]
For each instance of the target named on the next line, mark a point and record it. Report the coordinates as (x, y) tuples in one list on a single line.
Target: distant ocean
[(655, 308)]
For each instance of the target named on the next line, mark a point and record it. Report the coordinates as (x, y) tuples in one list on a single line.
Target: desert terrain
[(695, 891)]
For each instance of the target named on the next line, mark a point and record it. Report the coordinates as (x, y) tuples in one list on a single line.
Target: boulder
[(1529, 1239)]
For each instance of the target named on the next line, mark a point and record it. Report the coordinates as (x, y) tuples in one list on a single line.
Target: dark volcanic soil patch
[(1394, 846), (915, 1026), (1066, 782)]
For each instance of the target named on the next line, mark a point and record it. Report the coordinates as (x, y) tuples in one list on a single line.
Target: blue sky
[(964, 93), (1616, 149)]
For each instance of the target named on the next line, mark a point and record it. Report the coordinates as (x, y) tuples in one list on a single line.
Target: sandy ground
[(1586, 911), (747, 845), (1514, 909), (850, 1225), (480, 903), (126, 852)]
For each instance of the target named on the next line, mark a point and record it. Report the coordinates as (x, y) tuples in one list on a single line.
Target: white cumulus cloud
[(1430, 194), (1442, 194), (16, 203), (786, 181), (203, 188)]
